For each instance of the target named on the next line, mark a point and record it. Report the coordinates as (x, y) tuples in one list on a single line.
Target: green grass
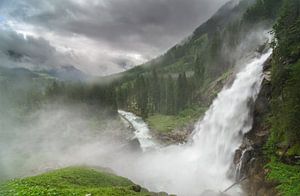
[(71, 181), (166, 123), (288, 177)]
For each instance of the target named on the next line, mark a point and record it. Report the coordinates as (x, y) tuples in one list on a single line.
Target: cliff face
[(250, 157)]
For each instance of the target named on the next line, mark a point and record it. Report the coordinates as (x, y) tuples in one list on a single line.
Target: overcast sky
[(99, 37)]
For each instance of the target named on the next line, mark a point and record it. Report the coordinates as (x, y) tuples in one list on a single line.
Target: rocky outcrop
[(177, 136), (249, 158)]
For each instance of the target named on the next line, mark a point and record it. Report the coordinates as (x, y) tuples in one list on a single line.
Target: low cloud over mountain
[(102, 36)]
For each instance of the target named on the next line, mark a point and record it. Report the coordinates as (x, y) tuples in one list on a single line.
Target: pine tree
[(155, 91), (199, 70), (142, 96), (182, 92), (170, 96)]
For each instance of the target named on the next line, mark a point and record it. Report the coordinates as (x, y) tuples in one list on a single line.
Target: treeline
[(153, 93), (28, 94), (263, 10), (99, 96)]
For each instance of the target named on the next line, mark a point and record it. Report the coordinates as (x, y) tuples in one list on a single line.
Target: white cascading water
[(201, 167), (142, 132)]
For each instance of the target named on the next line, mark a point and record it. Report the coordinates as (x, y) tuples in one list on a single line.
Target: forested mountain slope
[(283, 147)]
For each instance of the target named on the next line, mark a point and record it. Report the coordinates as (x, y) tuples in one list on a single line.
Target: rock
[(237, 156), (136, 188), (267, 76), (177, 136), (134, 145)]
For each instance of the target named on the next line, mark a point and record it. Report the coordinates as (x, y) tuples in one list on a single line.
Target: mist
[(57, 136)]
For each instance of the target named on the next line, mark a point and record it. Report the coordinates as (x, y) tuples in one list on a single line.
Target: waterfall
[(220, 133), (202, 166)]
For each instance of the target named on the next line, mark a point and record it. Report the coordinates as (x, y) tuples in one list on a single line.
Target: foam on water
[(142, 132)]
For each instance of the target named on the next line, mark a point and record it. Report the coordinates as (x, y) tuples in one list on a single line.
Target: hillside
[(74, 181)]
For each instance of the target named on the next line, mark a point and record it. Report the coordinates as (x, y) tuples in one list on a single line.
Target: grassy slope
[(71, 181), (167, 123)]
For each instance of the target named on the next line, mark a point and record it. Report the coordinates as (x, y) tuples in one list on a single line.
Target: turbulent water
[(203, 165), (142, 132)]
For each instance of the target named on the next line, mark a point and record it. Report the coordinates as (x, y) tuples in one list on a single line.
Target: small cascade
[(245, 155), (141, 130)]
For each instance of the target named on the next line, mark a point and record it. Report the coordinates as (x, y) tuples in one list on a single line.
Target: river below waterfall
[(141, 130)]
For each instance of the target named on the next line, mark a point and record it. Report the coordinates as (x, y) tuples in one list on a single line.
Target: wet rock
[(134, 145), (237, 156), (136, 188)]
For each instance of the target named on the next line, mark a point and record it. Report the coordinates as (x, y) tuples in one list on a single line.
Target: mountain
[(17, 73), (67, 73), (192, 72), (182, 56)]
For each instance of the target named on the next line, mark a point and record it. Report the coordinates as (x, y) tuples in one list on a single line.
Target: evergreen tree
[(182, 92), (155, 91), (170, 96), (199, 70), (142, 96)]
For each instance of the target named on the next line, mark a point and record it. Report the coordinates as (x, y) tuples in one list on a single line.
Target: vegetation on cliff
[(283, 147)]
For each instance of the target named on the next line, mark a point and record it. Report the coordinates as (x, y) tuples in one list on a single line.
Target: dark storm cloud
[(29, 52), (130, 24), (144, 27)]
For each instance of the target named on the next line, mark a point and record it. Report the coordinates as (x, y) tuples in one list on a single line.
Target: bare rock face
[(249, 157)]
